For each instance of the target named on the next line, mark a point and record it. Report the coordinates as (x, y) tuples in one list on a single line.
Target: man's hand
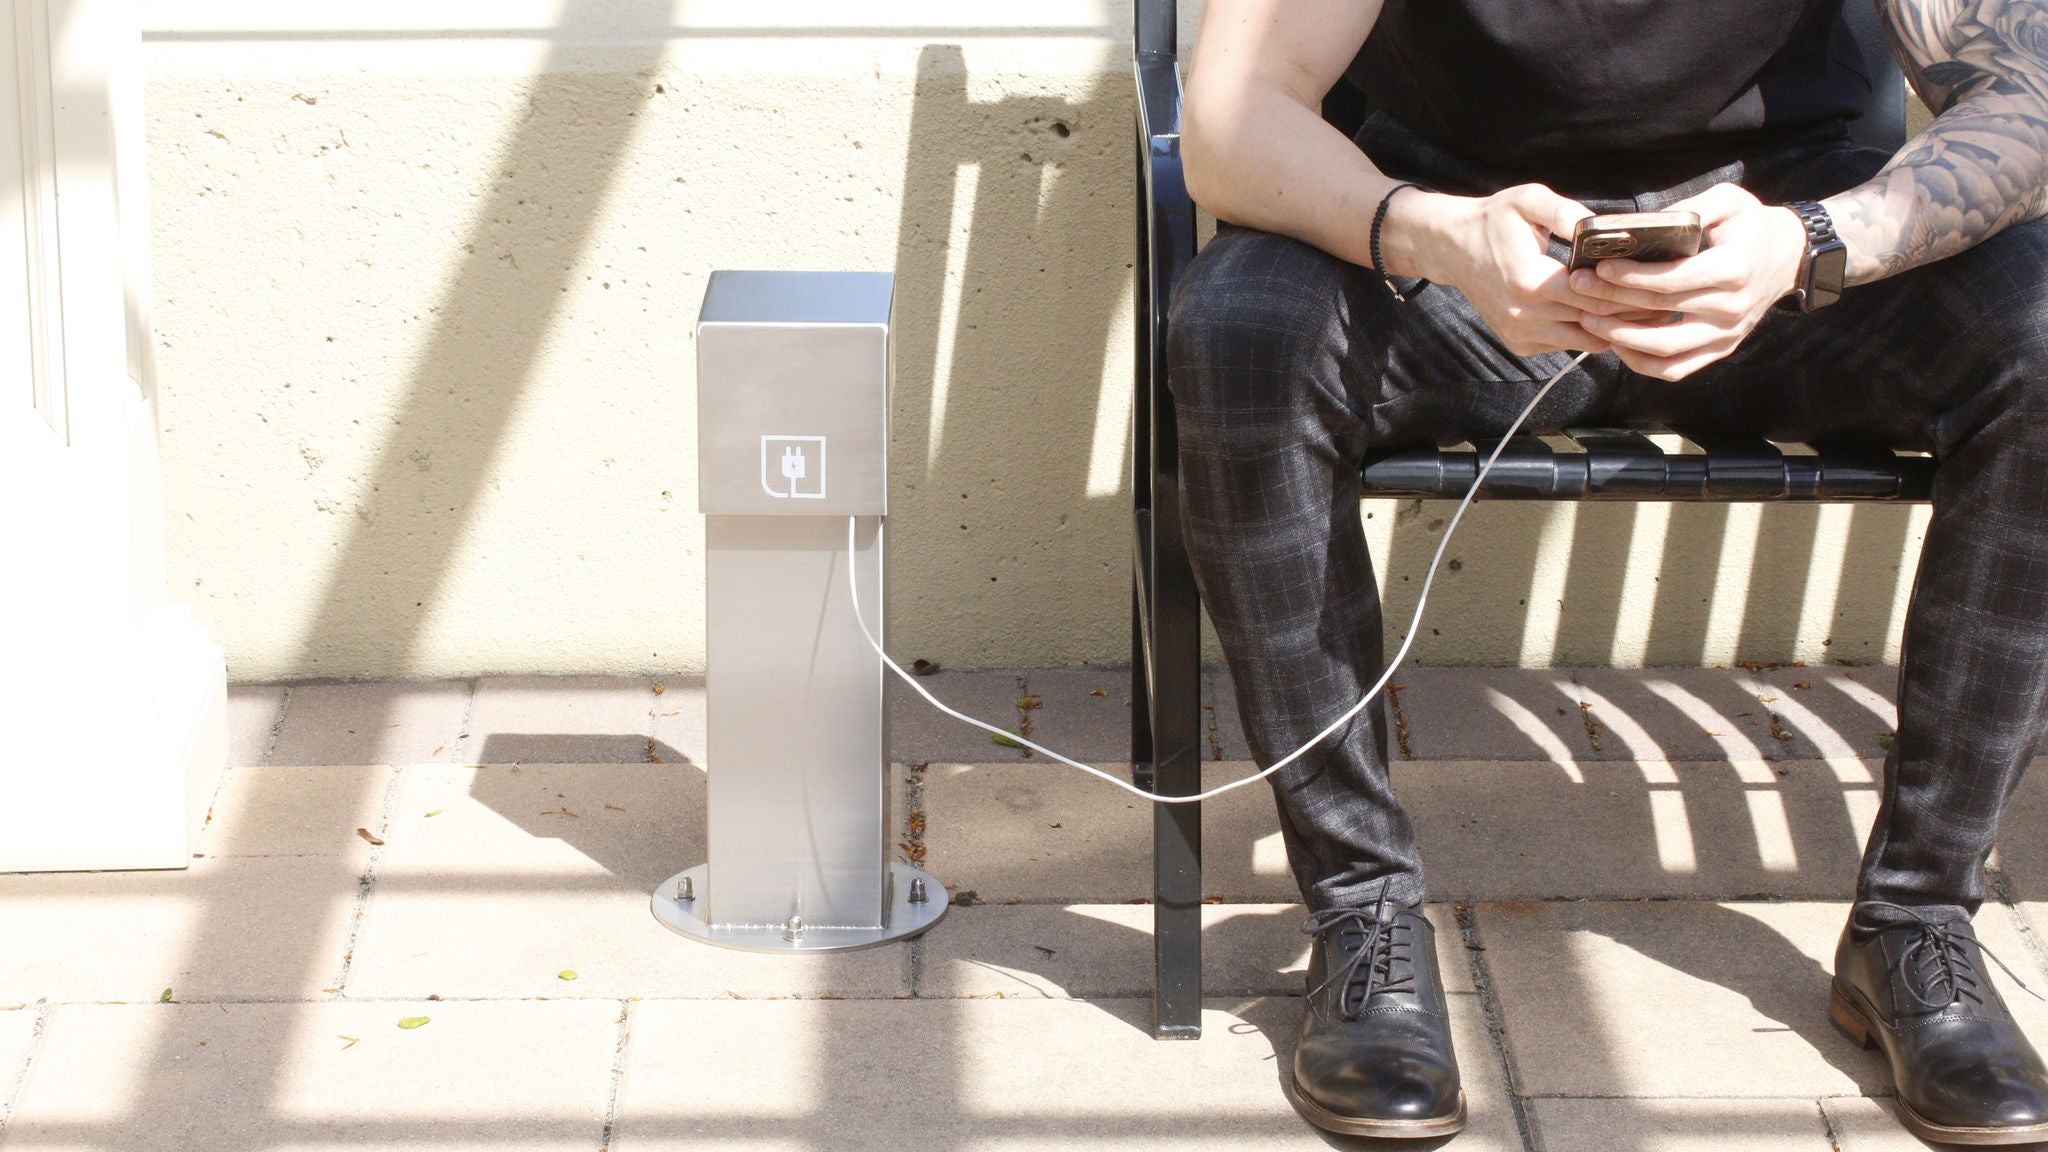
[(1670, 320), (1492, 250)]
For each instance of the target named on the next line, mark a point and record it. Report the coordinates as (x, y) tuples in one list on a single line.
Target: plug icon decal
[(793, 467)]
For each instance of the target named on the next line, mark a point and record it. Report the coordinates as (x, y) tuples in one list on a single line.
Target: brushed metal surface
[(793, 395), (797, 741), (905, 919)]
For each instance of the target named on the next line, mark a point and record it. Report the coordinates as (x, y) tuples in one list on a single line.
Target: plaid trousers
[(1287, 365)]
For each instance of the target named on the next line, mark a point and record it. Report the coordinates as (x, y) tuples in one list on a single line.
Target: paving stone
[(1490, 714), (380, 722), (1684, 714), (222, 929), (17, 1040), (1021, 1074), (1047, 832), (1862, 1124), (1842, 711), (920, 733), (1666, 999), (1105, 950), (253, 713), (1518, 830), (1678, 1125), (679, 722), (291, 811), (332, 1075), (522, 872), (1071, 719), (562, 720), (1225, 727)]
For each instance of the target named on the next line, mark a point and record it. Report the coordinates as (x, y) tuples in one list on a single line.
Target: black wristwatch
[(1827, 259)]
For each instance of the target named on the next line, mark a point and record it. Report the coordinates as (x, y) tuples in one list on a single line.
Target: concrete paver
[(1224, 728), (253, 713), (264, 928), (17, 1039), (331, 1075), (920, 733), (294, 811), (562, 720), (1105, 950), (1045, 831), (680, 736), (496, 879), (1672, 999), (1862, 1124), (1073, 720), (1683, 714), (384, 722), (1563, 1125), (1490, 714), (1517, 830), (1031, 1024), (1843, 711), (1031, 1074)]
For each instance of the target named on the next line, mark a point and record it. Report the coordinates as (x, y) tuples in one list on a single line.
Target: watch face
[(1824, 287)]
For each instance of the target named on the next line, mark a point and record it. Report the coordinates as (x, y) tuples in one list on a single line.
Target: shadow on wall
[(1013, 254)]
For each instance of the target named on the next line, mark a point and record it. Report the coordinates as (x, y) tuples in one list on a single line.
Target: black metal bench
[(1608, 464)]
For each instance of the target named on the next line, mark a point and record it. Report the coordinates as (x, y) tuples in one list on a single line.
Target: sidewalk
[(1642, 876)]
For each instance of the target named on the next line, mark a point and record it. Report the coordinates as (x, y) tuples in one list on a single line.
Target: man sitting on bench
[(1399, 289)]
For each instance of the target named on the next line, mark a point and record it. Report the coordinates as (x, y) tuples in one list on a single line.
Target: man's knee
[(1254, 317)]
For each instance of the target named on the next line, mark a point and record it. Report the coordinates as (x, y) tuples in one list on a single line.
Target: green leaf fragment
[(1005, 741), (165, 998), (435, 812), (567, 974), (411, 1022)]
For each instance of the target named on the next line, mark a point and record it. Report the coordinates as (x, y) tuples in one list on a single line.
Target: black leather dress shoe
[(1375, 1057), (1964, 1072)]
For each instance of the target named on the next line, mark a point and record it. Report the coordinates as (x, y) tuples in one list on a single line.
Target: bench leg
[(1175, 715)]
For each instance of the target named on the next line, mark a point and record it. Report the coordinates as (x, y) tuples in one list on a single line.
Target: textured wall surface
[(425, 281)]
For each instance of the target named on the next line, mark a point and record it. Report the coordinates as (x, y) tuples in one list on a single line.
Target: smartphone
[(1650, 237)]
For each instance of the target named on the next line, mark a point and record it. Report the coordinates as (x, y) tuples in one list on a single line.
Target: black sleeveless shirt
[(1572, 91)]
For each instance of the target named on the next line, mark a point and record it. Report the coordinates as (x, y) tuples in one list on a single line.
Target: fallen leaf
[(352, 1041), (1100, 692), (614, 807), (1044, 949), (366, 834), (434, 813), (1028, 703), (924, 667), (658, 689), (966, 899), (562, 811), (1804, 684), (1005, 741), (566, 974), (165, 998), (410, 1022), (677, 712)]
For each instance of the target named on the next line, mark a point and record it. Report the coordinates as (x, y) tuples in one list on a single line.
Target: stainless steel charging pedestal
[(792, 440)]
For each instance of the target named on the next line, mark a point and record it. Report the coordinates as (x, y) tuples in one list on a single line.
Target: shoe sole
[(1426, 1129), (1850, 1018)]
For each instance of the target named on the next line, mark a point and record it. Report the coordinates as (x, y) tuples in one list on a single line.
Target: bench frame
[(1610, 464)]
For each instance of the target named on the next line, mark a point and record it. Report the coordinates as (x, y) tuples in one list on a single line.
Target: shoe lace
[(1383, 959), (1936, 968)]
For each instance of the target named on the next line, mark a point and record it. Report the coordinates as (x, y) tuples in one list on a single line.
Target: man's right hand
[(1492, 249)]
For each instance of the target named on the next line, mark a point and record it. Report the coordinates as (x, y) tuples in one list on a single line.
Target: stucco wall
[(426, 275)]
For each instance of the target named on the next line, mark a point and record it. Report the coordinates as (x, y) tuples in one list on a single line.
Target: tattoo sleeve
[(1982, 67)]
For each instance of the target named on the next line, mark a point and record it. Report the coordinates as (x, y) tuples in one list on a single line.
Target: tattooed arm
[(1982, 67)]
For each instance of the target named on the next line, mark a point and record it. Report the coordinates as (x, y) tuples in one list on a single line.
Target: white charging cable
[(1414, 626)]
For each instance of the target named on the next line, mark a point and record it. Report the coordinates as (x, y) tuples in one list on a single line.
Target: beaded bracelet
[(1379, 218)]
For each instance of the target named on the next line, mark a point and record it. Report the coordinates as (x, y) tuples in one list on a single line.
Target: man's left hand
[(1671, 319)]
